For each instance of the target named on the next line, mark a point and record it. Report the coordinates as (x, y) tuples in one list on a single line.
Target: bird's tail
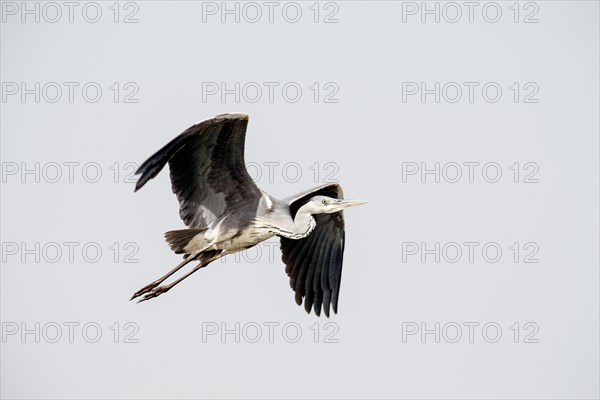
[(180, 239)]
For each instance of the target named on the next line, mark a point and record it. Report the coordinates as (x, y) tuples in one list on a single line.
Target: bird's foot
[(154, 292), (149, 287)]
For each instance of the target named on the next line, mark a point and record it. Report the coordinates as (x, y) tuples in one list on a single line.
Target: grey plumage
[(208, 172), (226, 212), (180, 238)]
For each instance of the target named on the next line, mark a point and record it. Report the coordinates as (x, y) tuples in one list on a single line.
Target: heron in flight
[(226, 212)]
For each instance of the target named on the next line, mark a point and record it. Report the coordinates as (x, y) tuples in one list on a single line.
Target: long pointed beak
[(351, 203)]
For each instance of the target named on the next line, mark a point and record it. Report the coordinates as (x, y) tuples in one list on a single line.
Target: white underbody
[(232, 241), (275, 221)]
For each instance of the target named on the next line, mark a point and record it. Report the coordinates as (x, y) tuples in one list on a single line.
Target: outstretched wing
[(314, 264), (208, 172)]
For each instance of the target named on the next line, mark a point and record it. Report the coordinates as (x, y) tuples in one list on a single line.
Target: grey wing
[(314, 264), (208, 171)]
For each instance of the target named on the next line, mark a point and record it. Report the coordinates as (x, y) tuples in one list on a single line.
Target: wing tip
[(139, 184), (309, 306), (233, 115)]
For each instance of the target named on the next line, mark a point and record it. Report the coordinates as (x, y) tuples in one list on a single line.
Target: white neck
[(298, 228)]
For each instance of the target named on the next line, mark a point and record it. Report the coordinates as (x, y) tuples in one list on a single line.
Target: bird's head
[(328, 205)]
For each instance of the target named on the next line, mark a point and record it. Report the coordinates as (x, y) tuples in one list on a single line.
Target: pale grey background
[(369, 133)]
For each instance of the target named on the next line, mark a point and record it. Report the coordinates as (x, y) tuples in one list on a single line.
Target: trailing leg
[(160, 280), (207, 257)]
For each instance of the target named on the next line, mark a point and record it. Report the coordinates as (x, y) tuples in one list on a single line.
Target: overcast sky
[(472, 129)]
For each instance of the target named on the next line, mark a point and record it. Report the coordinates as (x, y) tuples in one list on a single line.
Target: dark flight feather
[(314, 264), (208, 172)]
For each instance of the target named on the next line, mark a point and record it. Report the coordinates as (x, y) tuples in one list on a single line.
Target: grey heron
[(226, 212)]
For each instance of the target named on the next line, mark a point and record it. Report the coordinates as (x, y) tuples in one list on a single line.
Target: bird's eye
[(324, 201)]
